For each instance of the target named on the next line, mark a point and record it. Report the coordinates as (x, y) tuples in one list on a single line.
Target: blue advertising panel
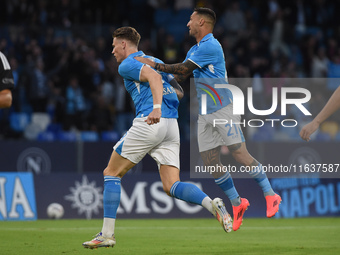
[(142, 196), (308, 197), (17, 196), (81, 196)]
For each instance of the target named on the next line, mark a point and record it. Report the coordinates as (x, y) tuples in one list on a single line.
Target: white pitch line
[(173, 228)]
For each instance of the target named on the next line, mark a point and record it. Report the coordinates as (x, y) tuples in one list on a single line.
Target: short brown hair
[(207, 12), (127, 33)]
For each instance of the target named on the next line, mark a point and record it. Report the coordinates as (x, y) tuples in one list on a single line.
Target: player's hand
[(308, 130), (154, 117), (146, 61)]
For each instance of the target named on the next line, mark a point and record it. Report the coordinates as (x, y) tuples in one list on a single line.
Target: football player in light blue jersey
[(154, 131), (130, 69), (206, 61), (208, 56)]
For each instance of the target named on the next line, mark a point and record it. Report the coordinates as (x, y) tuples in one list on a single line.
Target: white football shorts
[(223, 133), (161, 141)]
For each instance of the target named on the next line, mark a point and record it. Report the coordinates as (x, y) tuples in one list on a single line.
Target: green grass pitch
[(175, 236)]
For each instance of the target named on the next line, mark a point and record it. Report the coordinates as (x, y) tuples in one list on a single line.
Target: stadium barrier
[(89, 157), (143, 197), (70, 173)]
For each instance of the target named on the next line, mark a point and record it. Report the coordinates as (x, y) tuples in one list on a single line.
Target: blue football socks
[(111, 196), (226, 183), (187, 192), (261, 178)]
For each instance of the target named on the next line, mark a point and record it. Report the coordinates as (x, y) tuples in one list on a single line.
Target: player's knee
[(167, 190), (109, 172), (106, 172), (243, 157), (239, 156), (168, 193), (167, 187)]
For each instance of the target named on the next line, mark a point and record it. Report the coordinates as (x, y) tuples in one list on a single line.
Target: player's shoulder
[(154, 59), (211, 47), (128, 61), (127, 65), (123, 66), (210, 43)]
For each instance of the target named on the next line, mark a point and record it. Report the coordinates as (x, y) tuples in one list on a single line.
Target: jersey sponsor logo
[(7, 81), (168, 90)]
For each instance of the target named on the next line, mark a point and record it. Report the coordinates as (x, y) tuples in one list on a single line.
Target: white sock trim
[(108, 227), (206, 203)]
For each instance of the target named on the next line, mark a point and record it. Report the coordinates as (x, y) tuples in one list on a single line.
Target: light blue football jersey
[(209, 57), (130, 70)]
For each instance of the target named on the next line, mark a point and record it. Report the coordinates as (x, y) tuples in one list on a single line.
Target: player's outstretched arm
[(5, 98), (156, 86), (181, 71), (332, 105)]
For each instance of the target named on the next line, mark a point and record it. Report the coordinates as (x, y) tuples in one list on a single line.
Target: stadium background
[(70, 105)]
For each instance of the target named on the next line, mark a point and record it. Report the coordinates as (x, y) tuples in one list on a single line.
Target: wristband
[(155, 106)]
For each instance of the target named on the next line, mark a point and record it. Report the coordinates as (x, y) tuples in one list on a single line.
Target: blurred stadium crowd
[(66, 78)]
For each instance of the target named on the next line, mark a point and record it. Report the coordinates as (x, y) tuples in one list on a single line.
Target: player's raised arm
[(332, 105), (156, 86)]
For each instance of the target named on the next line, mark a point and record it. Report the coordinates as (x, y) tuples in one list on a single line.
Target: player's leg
[(241, 155), (166, 154), (128, 151), (191, 193), (232, 136), (115, 170), (225, 182), (210, 139), (222, 179), (182, 190)]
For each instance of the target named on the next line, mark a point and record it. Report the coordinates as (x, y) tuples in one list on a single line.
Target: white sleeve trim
[(194, 63), (4, 62)]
